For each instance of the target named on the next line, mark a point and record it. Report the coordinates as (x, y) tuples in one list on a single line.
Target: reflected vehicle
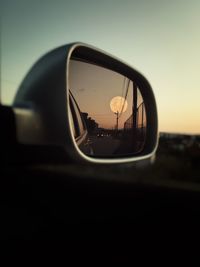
[(100, 135), (79, 127), (113, 109)]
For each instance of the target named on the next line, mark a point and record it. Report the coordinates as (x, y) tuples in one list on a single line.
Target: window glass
[(72, 124), (80, 126)]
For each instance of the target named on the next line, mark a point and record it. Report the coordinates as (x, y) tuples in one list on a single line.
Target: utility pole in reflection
[(117, 120)]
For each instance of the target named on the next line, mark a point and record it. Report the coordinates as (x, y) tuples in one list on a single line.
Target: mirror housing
[(42, 103)]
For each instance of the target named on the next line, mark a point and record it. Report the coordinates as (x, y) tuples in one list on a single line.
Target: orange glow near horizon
[(164, 45)]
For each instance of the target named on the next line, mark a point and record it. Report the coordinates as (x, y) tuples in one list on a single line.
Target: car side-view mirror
[(93, 106), (112, 108)]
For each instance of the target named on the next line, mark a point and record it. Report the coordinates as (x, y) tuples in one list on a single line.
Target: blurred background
[(159, 38)]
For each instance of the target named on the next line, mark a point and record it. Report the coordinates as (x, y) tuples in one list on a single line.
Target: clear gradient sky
[(159, 38)]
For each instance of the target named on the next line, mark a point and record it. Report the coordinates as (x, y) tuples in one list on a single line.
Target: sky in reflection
[(94, 88)]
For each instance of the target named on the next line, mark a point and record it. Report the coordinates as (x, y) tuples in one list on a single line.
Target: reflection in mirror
[(112, 110)]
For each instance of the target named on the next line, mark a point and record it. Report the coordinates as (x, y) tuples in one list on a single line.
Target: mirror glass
[(108, 114)]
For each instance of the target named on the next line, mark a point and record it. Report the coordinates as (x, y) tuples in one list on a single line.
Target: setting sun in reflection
[(118, 104)]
